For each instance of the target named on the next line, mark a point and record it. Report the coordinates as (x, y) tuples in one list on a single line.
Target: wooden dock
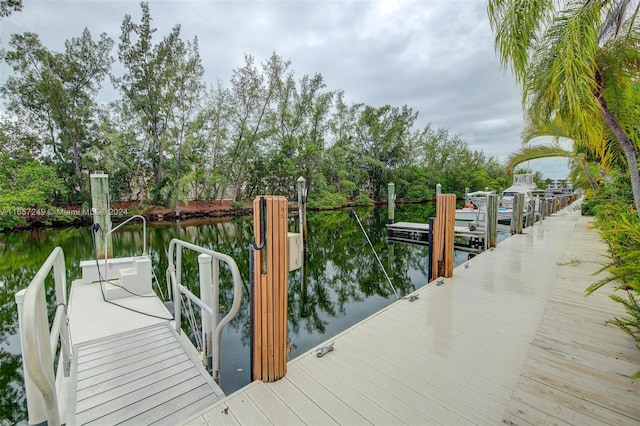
[(510, 338), (418, 233)]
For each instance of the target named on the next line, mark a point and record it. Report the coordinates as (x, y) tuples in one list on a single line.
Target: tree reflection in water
[(342, 281)]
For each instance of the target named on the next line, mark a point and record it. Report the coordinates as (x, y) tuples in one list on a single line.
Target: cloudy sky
[(435, 56)]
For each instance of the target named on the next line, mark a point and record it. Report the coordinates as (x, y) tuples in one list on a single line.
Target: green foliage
[(362, 200), (327, 200), (577, 63), (417, 193), (170, 139), (619, 226), (54, 93), (9, 6), (25, 190), (630, 324)]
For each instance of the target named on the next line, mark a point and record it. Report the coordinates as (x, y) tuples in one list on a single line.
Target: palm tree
[(533, 152), (578, 62)]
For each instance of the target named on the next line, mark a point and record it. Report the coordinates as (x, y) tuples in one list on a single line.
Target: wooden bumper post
[(270, 274), (443, 233)]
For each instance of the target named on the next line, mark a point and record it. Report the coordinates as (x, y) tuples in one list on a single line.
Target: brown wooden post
[(271, 274), (491, 223), (517, 217), (443, 236)]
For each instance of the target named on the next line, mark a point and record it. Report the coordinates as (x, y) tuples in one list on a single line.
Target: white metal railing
[(111, 231), (39, 344), (209, 265)]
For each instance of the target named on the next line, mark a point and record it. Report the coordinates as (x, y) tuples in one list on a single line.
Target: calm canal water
[(343, 283)]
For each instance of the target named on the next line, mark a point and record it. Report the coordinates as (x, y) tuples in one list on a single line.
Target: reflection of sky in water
[(402, 262)]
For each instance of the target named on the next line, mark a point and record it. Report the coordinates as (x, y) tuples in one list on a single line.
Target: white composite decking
[(129, 365), (510, 338)]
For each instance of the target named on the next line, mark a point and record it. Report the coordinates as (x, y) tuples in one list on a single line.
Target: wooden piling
[(491, 225), (517, 216), (443, 236), (531, 212), (270, 273)]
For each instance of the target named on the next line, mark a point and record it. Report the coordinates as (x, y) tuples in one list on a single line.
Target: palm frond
[(534, 152)]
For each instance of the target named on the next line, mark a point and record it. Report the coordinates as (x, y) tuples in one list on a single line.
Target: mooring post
[(443, 236), (431, 275), (517, 215), (531, 212), (466, 195), (271, 275), (438, 189), (391, 202), (491, 237), (100, 211)]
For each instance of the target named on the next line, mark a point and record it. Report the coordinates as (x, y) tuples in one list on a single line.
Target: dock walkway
[(130, 365), (510, 338)]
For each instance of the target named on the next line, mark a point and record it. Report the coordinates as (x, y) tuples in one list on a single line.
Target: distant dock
[(418, 233), (509, 339)]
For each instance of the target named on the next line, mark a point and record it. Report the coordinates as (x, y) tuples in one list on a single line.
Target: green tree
[(577, 62), (300, 121), (55, 94), (382, 136), (9, 6), (210, 141), (254, 90), (161, 87), (341, 163)]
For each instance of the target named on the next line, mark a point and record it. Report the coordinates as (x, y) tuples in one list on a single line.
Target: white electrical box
[(295, 251)]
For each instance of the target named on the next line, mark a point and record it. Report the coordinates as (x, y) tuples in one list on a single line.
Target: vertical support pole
[(432, 273), (36, 407), (101, 213), (209, 322), (391, 203), (438, 189), (492, 221), (531, 212), (301, 186), (517, 215), (443, 236), (271, 274), (466, 195)]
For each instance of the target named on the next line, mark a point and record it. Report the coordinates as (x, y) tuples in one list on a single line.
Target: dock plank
[(510, 338), (137, 385)]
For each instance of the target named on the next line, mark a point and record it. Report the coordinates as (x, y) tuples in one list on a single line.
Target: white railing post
[(39, 343), (60, 280), (206, 294), (36, 407), (210, 267)]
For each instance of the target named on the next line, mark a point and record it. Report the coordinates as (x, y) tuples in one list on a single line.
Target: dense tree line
[(170, 137)]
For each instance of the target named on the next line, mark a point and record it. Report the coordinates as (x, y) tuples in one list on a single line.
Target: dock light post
[(301, 186)]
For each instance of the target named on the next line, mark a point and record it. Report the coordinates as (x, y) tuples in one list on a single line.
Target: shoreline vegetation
[(56, 217)]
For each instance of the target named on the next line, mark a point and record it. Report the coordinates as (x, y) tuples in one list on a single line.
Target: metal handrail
[(39, 343), (111, 231), (174, 273)]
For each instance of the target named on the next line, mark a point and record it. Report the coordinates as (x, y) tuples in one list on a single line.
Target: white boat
[(122, 357), (473, 214), (522, 184)]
